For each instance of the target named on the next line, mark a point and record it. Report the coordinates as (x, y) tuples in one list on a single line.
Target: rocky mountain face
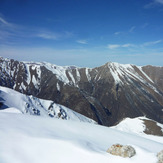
[(106, 94)]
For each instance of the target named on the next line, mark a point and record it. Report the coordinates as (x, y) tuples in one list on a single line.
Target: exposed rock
[(160, 157), (123, 151), (151, 128)]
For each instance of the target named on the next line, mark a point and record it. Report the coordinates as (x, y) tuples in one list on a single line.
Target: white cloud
[(46, 34), (12, 33), (152, 43), (128, 45), (7, 31), (4, 24), (115, 46), (159, 1), (144, 25), (50, 36), (149, 5), (132, 29), (3, 21), (117, 33), (153, 4), (82, 41)]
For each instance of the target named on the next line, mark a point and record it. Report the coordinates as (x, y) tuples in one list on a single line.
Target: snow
[(28, 74), (34, 81), (161, 125), (127, 72), (77, 74), (129, 125), (11, 110), (72, 78), (59, 71), (35, 106), (115, 76), (154, 88), (27, 138), (87, 74), (33, 66), (22, 86), (58, 87), (140, 68), (136, 126), (119, 71), (34, 139)]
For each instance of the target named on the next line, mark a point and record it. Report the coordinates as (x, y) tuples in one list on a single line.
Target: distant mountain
[(12, 101), (106, 94)]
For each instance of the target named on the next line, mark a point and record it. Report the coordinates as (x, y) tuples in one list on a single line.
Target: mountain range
[(106, 94)]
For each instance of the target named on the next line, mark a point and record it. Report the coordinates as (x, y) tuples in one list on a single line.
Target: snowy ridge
[(60, 72), (129, 125), (35, 106), (121, 71), (137, 126)]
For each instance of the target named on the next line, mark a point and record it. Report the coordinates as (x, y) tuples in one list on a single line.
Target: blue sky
[(82, 32)]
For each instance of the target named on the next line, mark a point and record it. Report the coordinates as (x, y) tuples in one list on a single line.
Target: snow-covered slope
[(11, 110), (13, 101), (142, 126), (125, 72), (34, 139)]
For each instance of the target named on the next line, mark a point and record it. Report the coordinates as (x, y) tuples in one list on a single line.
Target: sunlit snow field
[(26, 138)]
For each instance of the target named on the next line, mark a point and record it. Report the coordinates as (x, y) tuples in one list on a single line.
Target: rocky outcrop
[(106, 94), (160, 157), (123, 151), (151, 128)]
